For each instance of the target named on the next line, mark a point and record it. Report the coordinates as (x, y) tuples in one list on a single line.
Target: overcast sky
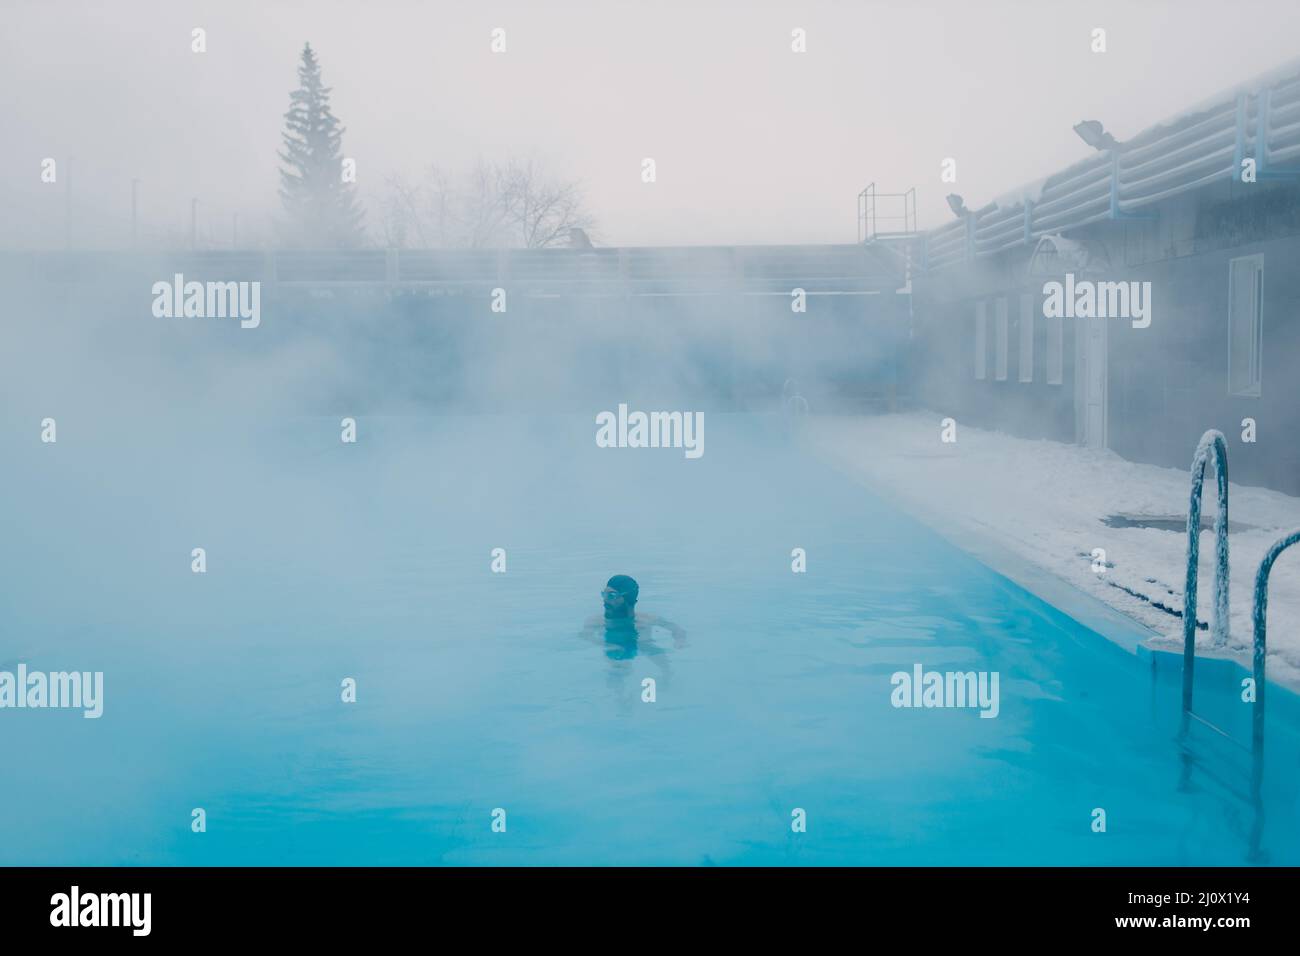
[(753, 143)]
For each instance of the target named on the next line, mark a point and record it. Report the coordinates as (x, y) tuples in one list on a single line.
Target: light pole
[(67, 201), (135, 199)]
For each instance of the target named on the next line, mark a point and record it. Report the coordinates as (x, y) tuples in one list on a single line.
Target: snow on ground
[(1044, 502)]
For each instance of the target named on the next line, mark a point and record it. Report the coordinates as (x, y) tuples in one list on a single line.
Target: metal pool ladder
[(1213, 442), (1259, 618)]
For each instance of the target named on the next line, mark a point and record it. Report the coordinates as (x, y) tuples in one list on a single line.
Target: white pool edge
[(1088, 611)]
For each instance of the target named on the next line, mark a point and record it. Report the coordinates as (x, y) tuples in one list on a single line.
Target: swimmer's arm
[(678, 633), (591, 631)]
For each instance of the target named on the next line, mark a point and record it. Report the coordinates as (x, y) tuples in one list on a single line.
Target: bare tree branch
[(516, 203)]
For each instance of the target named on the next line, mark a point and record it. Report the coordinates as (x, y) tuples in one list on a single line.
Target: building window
[(1026, 366), (1245, 324), (1001, 358), (981, 340), (1055, 349)]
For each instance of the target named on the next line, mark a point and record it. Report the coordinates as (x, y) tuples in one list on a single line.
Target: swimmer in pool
[(627, 630)]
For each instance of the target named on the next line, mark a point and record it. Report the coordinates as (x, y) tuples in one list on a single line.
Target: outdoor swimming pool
[(474, 691)]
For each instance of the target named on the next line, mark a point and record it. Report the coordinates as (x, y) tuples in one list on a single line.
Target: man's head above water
[(623, 624), (619, 595)]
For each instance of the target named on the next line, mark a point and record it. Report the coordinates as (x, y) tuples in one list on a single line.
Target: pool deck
[(1034, 511)]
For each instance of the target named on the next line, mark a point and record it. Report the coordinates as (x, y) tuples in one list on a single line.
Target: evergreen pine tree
[(321, 209)]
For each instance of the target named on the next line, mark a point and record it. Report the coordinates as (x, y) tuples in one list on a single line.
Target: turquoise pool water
[(475, 691)]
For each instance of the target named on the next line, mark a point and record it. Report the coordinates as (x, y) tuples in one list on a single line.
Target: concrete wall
[(943, 352), (1169, 383)]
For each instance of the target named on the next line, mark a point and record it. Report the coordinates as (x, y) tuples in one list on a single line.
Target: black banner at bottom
[(333, 905)]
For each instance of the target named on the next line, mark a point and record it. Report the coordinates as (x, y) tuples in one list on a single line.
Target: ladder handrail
[(1212, 440), (1259, 617)]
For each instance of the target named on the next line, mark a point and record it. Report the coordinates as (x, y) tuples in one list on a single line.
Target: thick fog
[(753, 144), (317, 419)]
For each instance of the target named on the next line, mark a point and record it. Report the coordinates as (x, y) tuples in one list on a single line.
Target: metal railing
[(1211, 441), (843, 267), (897, 211), (1259, 616), (1176, 157)]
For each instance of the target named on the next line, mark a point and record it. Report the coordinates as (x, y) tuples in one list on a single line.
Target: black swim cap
[(624, 585)]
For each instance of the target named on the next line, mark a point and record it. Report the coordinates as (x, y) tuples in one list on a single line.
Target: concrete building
[(1206, 208)]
